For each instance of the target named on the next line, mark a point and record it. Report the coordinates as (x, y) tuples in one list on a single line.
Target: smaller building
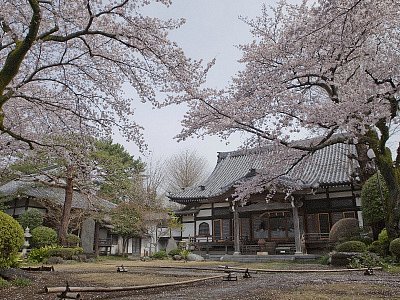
[(22, 194)]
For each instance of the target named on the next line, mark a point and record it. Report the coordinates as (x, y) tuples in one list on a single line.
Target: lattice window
[(204, 229)]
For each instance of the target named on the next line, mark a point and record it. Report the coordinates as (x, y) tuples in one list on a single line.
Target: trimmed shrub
[(351, 246), (383, 239), (43, 236), (31, 218), (65, 253), (11, 240), (394, 248), (373, 192), (72, 240), (344, 230), (44, 253), (160, 255)]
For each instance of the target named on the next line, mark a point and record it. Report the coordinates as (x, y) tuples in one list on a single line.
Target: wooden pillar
[(96, 238), (296, 223), (236, 229)]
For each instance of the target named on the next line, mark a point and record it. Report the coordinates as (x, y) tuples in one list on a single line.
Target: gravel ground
[(346, 285)]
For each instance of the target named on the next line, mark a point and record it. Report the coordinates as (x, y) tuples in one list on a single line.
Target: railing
[(210, 239), (105, 242), (105, 246), (314, 237), (208, 243)]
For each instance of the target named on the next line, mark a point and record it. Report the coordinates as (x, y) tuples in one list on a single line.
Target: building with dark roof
[(27, 192), (326, 191)]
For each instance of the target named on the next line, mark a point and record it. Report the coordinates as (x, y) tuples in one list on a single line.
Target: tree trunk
[(377, 228), (366, 168), (392, 204), (124, 246), (66, 213)]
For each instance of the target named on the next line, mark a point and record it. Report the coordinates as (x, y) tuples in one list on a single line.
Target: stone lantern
[(25, 247)]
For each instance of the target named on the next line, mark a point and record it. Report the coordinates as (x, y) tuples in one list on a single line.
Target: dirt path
[(351, 285)]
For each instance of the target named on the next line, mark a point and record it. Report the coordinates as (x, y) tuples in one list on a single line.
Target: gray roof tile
[(328, 166), (39, 191)]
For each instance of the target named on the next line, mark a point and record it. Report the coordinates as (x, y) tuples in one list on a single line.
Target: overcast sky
[(212, 30)]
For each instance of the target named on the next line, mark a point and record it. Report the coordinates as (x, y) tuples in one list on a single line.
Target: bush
[(43, 236), (383, 239), (11, 240), (394, 248), (376, 248), (31, 218), (373, 192), (174, 252), (72, 240), (344, 230), (365, 260), (44, 253), (38, 255), (160, 255), (351, 246), (185, 254), (65, 253)]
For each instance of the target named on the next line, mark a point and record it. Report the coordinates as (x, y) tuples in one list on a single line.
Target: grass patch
[(4, 283), (21, 282), (394, 269)]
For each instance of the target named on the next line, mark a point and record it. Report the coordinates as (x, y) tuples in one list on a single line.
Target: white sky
[(212, 30)]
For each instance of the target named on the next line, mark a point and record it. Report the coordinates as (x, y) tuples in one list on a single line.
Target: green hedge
[(11, 240), (65, 253), (43, 253), (72, 240), (394, 248), (351, 246), (43, 236), (344, 230), (31, 218)]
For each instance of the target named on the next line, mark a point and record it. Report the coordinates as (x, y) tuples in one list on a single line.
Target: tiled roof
[(55, 194), (329, 166)]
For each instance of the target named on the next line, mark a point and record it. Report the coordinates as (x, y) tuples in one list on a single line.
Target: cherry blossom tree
[(63, 66), (330, 69)]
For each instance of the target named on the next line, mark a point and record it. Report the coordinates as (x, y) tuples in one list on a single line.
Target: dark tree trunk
[(366, 167), (392, 204), (377, 228), (66, 213)]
